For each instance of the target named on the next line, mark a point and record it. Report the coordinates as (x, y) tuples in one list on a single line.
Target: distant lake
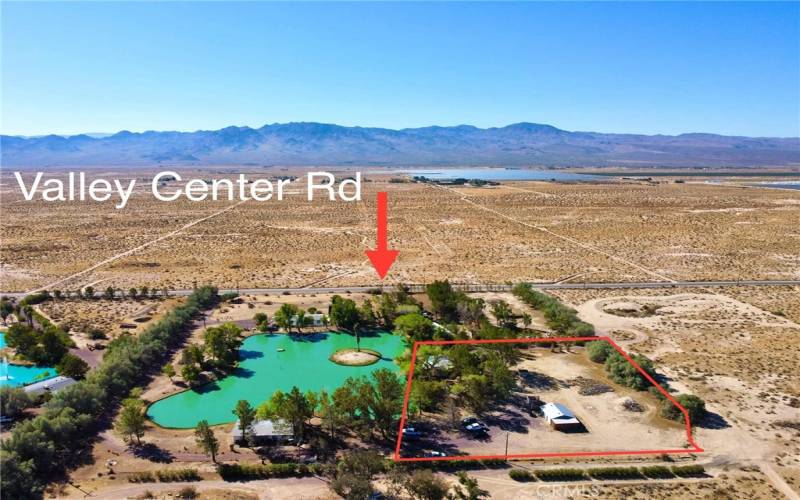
[(779, 185), (499, 174)]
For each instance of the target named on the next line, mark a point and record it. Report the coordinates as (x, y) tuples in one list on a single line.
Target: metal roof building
[(265, 430), (560, 417), (52, 385)]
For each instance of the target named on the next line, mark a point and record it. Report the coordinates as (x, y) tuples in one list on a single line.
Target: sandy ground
[(740, 358), (532, 231)]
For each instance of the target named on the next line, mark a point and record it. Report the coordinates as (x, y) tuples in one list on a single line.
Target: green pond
[(263, 369)]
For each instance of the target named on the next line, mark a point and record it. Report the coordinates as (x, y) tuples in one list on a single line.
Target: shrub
[(141, 477), (521, 475), (560, 474), (621, 371), (599, 350), (177, 475), (187, 492), (235, 472), (688, 470), (657, 472), (694, 405), (615, 473)]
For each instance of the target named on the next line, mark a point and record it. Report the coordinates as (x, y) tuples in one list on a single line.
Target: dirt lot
[(551, 378), (520, 231), (720, 345)]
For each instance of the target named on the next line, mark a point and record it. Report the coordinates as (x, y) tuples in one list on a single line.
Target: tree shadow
[(248, 354), (713, 420), (151, 452), (539, 381), (308, 337)]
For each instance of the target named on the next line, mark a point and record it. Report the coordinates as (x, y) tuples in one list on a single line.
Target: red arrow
[(382, 258)]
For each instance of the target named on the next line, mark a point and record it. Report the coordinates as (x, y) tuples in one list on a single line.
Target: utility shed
[(52, 385), (560, 417), (265, 431)]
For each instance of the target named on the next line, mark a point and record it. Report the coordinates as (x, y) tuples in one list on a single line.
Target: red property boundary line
[(689, 437)]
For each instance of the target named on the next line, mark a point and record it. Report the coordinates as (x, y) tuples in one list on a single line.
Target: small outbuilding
[(51, 385), (265, 431), (559, 417)]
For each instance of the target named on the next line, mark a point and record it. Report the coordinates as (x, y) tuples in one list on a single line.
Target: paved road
[(493, 288)]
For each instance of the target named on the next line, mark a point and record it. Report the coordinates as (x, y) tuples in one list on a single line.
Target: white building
[(310, 319), (265, 430), (51, 385), (559, 417)]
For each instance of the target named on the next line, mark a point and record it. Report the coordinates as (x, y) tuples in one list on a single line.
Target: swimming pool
[(17, 375)]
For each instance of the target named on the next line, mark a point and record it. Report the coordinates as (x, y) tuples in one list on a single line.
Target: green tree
[(284, 316), (386, 402), (168, 370), (206, 439), (354, 473), (387, 309), (425, 485), (132, 292), (262, 321), (222, 343), (246, 415), (72, 366), (344, 313), (444, 300), (503, 314), (429, 395), (414, 326), (53, 346), (108, 294), (88, 292), (293, 407), (190, 373), (474, 391), (328, 413), (131, 420), (6, 308), (13, 401), (499, 377)]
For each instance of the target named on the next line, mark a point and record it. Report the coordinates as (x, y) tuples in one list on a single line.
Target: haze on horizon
[(652, 68)]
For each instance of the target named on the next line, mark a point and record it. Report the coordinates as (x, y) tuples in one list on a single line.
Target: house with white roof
[(560, 417), (51, 385)]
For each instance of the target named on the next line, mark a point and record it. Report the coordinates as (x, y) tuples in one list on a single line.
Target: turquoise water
[(263, 370), (499, 174), (16, 375)]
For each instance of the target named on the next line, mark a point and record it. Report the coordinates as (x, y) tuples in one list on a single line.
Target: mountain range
[(520, 144)]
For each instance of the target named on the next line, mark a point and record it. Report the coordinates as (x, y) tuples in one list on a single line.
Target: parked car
[(472, 424), (434, 453), (411, 433)]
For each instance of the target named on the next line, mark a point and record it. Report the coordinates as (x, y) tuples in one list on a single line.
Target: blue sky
[(731, 68)]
